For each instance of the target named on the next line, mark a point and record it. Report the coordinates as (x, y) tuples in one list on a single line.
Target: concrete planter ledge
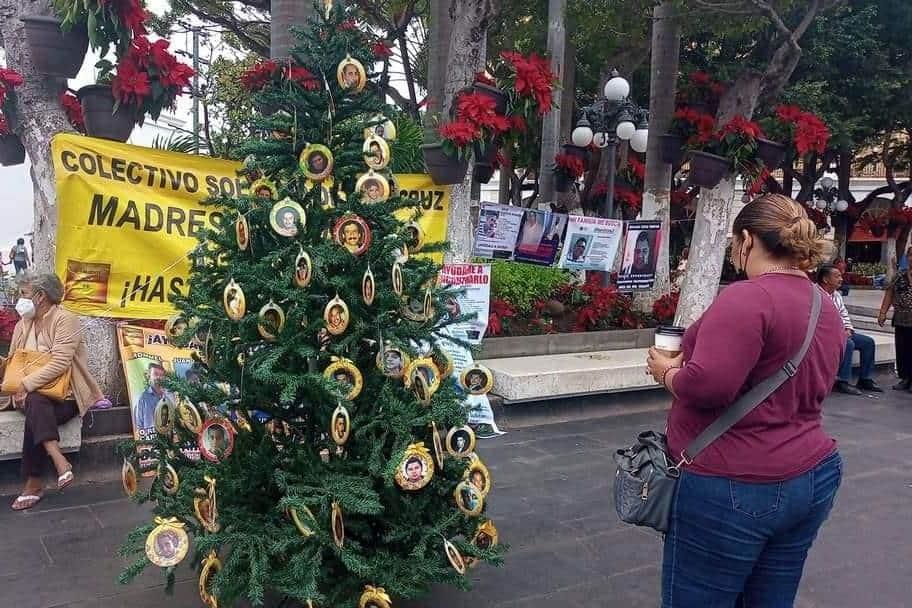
[(12, 425), (553, 376), (558, 344)]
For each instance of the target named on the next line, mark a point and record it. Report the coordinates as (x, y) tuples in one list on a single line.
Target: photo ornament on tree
[(374, 188), (416, 469), (167, 544), (351, 75), (235, 301), (303, 269), (265, 189), (353, 233), (211, 567), (376, 153), (317, 162), (375, 597), (285, 217), (216, 440)]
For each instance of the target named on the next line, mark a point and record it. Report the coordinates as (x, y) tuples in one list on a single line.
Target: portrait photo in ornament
[(176, 325), (460, 441), (264, 189), (413, 309), (189, 416), (169, 480), (368, 287), (416, 469), (167, 544), (421, 389), (479, 476), (349, 378), (376, 153), (216, 440), (353, 233), (454, 557), (303, 269), (128, 478), (382, 127), (341, 426), (242, 233), (351, 75), (317, 162), (468, 498), (336, 316), (477, 380), (285, 217), (374, 188), (271, 321), (338, 526), (234, 301), (164, 417), (206, 514), (392, 362), (414, 236)]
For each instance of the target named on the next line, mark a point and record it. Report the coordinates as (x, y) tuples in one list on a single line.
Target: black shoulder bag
[(646, 479)]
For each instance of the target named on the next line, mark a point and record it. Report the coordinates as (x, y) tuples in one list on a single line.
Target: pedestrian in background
[(748, 507), (898, 296), (20, 257)]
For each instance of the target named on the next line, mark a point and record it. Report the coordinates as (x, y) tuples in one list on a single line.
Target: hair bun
[(801, 240), (783, 226)]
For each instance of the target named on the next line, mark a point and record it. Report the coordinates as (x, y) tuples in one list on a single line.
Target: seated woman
[(46, 327)]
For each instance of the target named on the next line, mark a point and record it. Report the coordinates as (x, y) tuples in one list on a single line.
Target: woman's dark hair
[(824, 272), (414, 459), (783, 226), (642, 237)]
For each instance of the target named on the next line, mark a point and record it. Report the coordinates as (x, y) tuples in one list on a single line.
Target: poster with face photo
[(498, 227), (641, 252), (591, 243), (475, 280), (148, 357), (541, 234)]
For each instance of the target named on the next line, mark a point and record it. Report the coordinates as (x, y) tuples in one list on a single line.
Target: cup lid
[(670, 330)]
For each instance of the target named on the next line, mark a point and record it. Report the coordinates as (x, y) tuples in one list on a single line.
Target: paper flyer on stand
[(475, 280), (498, 227), (540, 237), (592, 243), (641, 252)]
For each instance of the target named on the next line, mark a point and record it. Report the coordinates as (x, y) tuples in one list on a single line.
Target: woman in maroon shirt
[(748, 508)]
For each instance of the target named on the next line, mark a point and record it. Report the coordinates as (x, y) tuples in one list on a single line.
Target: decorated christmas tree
[(321, 451)]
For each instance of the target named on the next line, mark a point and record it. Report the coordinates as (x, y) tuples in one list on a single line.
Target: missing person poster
[(475, 281), (498, 227), (148, 357), (540, 236), (481, 415), (641, 252), (592, 243)]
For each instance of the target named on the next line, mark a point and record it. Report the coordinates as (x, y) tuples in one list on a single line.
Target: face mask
[(741, 273), (26, 308)]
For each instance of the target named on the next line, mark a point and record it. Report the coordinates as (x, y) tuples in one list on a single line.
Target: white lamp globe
[(842, 205), (639, 140), (617, 89), (826, 182), (625, 130), (581, 136), (600, 140), (821, 204)]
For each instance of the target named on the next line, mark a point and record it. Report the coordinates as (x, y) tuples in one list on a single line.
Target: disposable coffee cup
[(668, 339)]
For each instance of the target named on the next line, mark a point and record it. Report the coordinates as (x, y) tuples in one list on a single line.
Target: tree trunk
[(285, 15), (466, 57), (666, 43), (38, 116), (551, 123), (439, 33), (568, 89)]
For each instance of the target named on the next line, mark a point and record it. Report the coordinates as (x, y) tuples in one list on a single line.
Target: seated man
[(830, 279)]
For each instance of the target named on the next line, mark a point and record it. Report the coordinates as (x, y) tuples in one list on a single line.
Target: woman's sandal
[(26, 502), (65, 480)]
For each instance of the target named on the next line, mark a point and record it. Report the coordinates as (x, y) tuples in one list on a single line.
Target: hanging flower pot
[(12, 152), (878, 230), (100, 118), (707, 170), (577, 151), (771, 153), (55, 52), (485, 159), (443, 168), (672, 147), (499, 97)]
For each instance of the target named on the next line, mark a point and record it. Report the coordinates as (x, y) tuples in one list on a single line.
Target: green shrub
[(524, 284), (869, 270)]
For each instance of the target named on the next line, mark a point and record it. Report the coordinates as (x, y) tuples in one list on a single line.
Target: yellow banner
[(129, 216)]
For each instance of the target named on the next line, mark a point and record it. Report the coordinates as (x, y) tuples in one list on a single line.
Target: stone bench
[(12, 425), (542, 377)]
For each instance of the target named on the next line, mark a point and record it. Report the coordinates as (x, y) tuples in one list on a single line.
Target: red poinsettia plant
[(737, 141), (9, 80), (73, 109), (570, 166), (8, 320), (701, 89), (697, 128), (528, 82), (807, 131), (875, 225), (666, 307), (148, 78), (108, 22), (271, 72), (477, 122)]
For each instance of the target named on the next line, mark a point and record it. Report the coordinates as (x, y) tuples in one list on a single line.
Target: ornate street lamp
[(608, 121), (826, 197)]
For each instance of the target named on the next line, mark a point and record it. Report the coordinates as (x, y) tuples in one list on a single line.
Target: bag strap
[(756, 395)]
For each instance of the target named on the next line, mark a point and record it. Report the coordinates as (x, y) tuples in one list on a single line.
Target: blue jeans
[(734, 544), (865, 347)]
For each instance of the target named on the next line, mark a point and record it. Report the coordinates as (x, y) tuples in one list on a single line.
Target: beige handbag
[(22, 363)]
